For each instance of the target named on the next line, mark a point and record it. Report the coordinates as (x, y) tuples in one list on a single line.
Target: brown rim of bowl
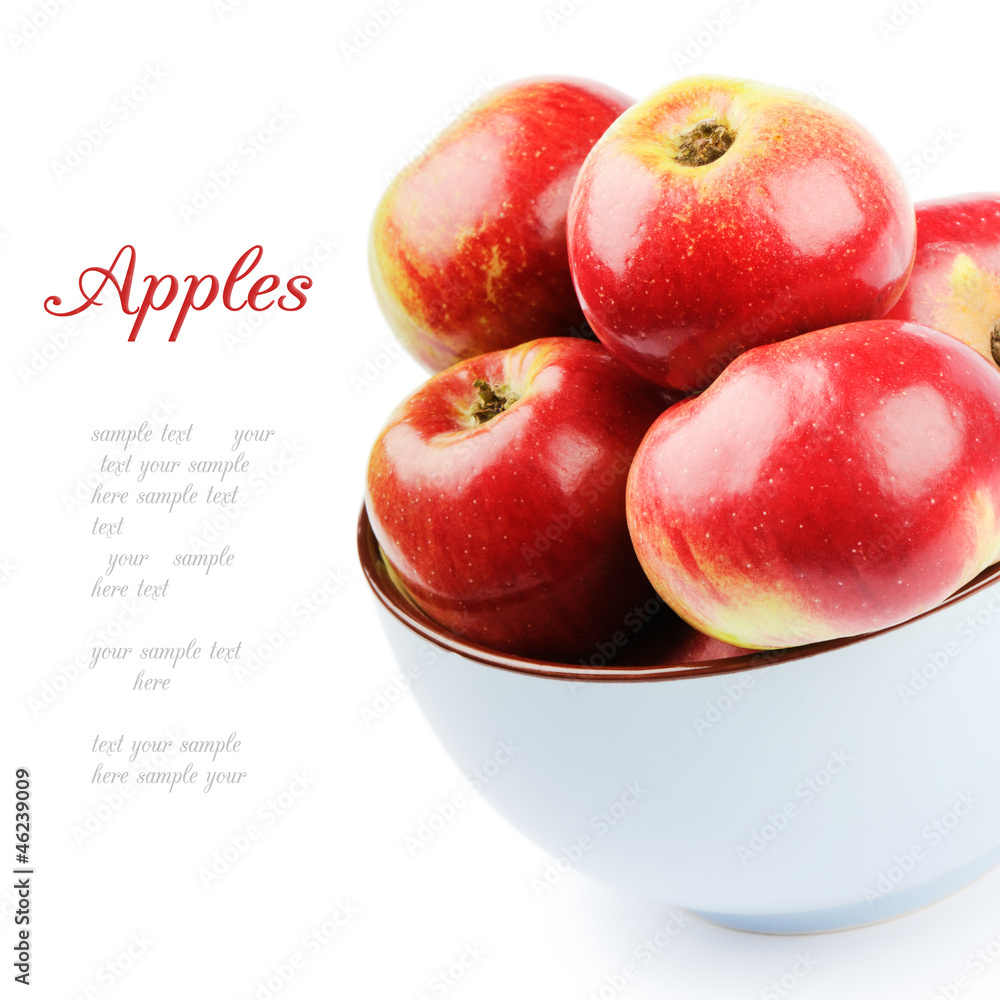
[(403, 609)]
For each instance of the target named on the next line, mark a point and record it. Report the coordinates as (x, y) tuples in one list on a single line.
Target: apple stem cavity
[(492, 400), (704, 142), (995, 342)]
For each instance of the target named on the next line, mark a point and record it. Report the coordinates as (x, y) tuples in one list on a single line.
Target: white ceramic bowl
[(803, 790)]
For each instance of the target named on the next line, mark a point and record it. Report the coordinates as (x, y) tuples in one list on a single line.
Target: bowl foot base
[(865, 911)]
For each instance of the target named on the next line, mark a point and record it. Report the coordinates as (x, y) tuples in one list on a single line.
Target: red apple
[(829, 485), (721, 214), (691, 646), (468, 246), (497, 494), (955, 285)]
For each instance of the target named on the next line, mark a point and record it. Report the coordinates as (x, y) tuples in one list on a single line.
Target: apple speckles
[(494, 269)]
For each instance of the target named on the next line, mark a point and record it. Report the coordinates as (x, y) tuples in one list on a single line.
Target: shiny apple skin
[(836, 483), (692, 646), (803, 223), (512, 532), (468, 245), (955, 285)]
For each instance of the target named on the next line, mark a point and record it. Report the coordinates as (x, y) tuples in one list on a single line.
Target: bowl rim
[(403, 609)]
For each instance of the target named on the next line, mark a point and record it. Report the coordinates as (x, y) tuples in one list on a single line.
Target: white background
[(229, 67)]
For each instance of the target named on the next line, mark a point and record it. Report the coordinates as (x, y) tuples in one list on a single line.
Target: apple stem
[(704, 142), (995, 342), (492, 400)]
